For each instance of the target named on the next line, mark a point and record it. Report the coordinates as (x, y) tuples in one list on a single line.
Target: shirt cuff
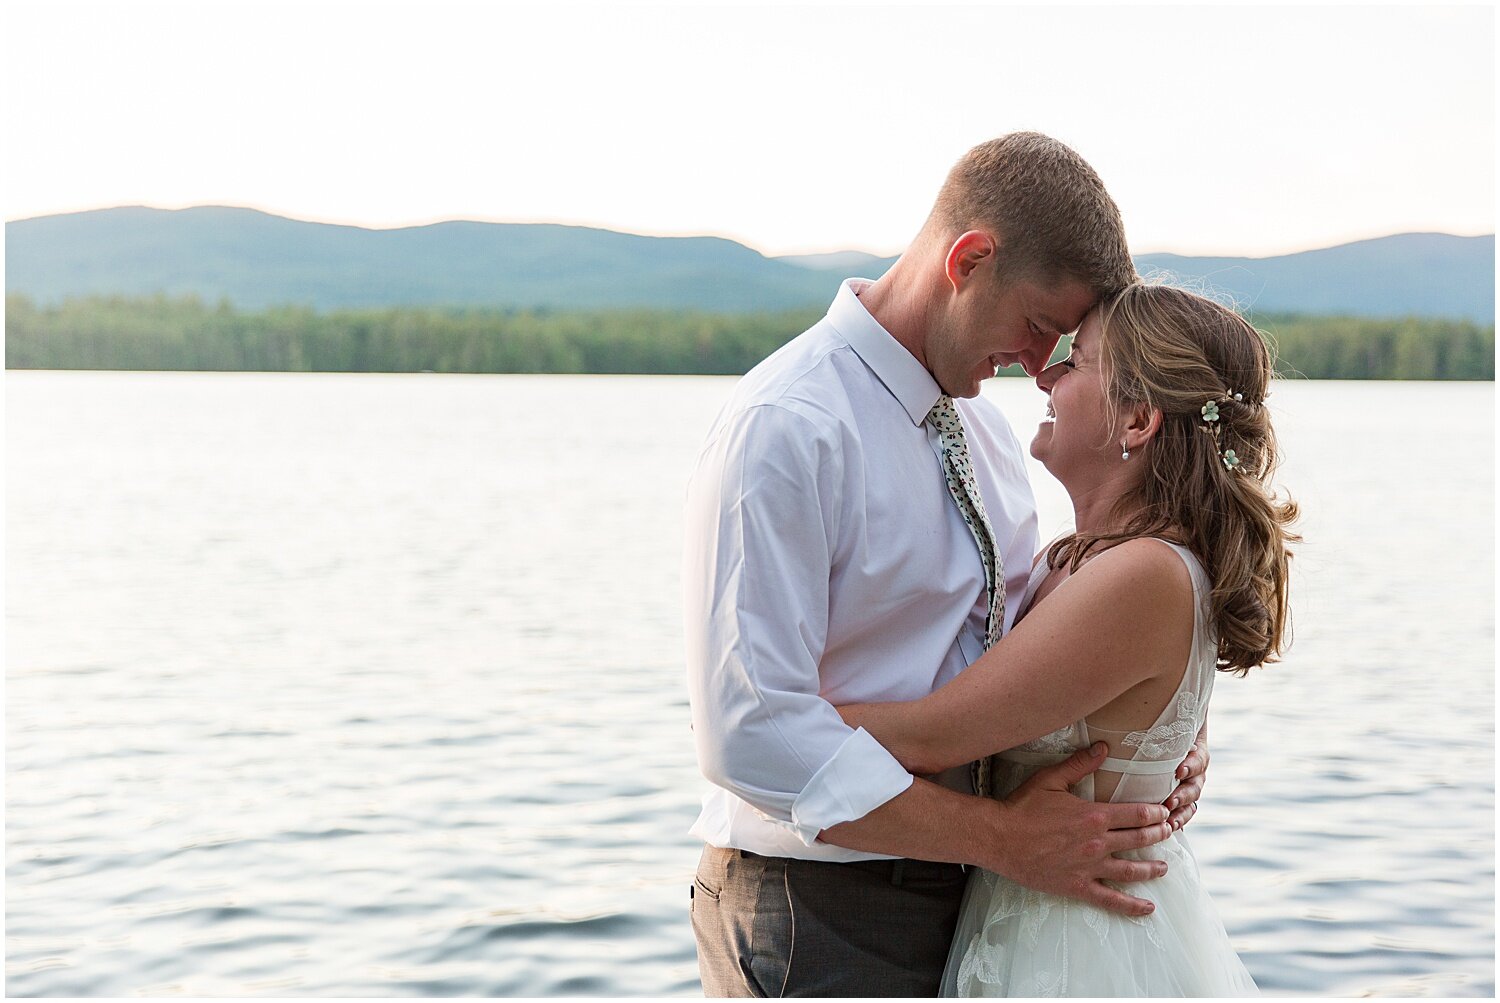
[(859, 778)]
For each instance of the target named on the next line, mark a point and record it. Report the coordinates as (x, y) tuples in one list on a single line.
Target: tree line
[(186, 333)]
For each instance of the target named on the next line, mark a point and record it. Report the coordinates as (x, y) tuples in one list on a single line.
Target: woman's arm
[(1125, 617)]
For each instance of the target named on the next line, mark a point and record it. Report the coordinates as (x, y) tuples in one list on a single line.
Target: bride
[(1176, 570)]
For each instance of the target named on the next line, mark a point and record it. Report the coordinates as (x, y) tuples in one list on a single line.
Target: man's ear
[(968, 252), (1139, 425)]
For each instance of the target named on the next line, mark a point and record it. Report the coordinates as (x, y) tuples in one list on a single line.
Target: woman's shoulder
[(1153, 575), (1159, 550)]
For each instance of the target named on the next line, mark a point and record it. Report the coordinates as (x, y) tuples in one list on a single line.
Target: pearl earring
[(1124, 453)]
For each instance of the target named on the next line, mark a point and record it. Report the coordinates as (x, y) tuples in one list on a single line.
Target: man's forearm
[(1041, 836), (928, 822)]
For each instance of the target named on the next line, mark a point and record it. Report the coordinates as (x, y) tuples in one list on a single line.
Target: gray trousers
[(773, 926)]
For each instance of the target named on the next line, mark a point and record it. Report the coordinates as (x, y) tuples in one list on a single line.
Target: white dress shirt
[(826, 563)]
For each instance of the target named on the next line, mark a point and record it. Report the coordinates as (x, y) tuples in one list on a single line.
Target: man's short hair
[(1046, 206)]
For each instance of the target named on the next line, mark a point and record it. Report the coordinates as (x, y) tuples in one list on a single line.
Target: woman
[(1156, 427)]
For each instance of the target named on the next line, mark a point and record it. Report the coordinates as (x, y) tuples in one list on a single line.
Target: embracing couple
[(944, 762)]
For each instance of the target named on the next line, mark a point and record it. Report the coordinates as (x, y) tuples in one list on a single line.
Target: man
[(835, 555)]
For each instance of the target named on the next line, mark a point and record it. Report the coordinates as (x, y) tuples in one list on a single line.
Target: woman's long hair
[(1176, 351)]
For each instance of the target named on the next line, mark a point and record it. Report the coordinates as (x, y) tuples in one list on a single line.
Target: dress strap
[(1132, 766), (1141, 767)]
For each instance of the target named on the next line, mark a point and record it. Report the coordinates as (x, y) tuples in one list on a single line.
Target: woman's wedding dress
[(1013, 941)]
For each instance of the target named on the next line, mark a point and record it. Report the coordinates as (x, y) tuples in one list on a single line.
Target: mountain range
[(256, 260)]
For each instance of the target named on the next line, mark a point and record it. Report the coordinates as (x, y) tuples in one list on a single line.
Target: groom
[(830, 561)]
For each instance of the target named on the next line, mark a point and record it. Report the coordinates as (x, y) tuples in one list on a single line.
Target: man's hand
[(1183, 802), (1055, 842)]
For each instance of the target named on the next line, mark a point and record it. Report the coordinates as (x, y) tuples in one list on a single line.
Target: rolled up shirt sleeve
[(763, 513)]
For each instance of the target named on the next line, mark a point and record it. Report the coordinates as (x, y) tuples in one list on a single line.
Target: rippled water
[(346, 685)]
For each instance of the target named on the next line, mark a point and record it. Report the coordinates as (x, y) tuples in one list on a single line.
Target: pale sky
[(1220, 129)]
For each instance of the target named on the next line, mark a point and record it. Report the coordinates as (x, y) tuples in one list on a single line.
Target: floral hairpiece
[(1210, 414)]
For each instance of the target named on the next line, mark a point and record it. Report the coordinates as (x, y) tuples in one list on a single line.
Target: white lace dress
[(1013, 941)]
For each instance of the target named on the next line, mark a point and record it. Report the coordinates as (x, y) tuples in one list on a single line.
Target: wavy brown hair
[(1174, 351)]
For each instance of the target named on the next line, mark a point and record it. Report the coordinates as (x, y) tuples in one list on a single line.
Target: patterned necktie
[(959, 473)]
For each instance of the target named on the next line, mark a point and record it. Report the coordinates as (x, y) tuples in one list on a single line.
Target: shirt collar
[(907, 379)]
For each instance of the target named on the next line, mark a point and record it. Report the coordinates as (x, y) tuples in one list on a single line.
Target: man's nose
[(1034, 359)]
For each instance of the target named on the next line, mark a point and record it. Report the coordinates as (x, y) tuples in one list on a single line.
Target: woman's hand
[(1183, 802)]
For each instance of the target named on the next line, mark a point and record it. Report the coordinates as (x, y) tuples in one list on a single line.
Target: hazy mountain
[(256, 259), (857, 263), (1427, 274)]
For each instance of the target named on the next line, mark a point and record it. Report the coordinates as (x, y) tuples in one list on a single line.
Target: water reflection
[(333, 685)]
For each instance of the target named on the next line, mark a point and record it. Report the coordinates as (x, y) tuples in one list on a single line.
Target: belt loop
[(896, 869)]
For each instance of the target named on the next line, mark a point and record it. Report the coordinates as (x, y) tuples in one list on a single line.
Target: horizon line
[(665, 234)]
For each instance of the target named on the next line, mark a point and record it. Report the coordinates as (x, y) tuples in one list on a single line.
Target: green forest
[(188, 334)]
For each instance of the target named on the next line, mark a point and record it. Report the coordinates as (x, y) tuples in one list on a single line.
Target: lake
[(335, 684)]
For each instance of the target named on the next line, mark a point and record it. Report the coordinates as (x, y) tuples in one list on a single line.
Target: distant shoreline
[(159, 334)]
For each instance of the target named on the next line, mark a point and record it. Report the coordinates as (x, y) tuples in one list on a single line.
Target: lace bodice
[(1142, 764)]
